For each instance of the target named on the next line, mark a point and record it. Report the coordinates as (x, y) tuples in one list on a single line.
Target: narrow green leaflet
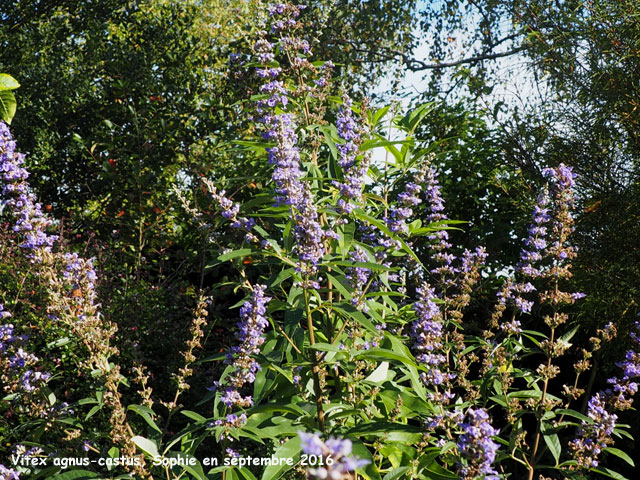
[(147, 446), (620, 454), (243, 252), (147, 414), (369, 472), (289, 451)]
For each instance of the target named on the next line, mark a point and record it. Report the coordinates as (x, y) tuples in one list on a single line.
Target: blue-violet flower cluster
[(336, 461), (476, 447), (250, 335), (354, 173), (30, 222)]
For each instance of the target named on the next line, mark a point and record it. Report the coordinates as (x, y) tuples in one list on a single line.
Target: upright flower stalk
[(476, 447), (249, 334), (251, 327), (30, 222), (280, 128), (354, 172), (596, 434), (70, 280)]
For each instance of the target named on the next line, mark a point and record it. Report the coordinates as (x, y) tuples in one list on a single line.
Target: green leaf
[(339, 286), (147, 446), (271, 407), (7, 82), (393, 432), (93, 411), (573, 413), (7, 106), (59, 342), (325, 347), (246, 474), (290, 450), (383, 228), (369, 144), (193, 416), (379, 375), (553, 443), (369, 472), (609, 473), (413, 118), (436, 472), (243, 252), (383, 353), (195, 470), (369, 265), (76, 475), (352, 312), (620, 454), (147, 414), (396, 473)]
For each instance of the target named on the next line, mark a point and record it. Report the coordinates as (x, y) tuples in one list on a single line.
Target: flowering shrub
[(352, 355)]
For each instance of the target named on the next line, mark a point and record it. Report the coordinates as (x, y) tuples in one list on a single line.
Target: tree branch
[(416, 65)]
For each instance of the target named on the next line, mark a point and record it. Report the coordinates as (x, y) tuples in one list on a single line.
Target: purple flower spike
[(403, 210), (593, 436), (354, 173), (427, 334), (284, 155), (250, 332), (476, 447), (30, 222), (358, 277)]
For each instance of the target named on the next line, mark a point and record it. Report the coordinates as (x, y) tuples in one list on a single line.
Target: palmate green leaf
[(378, 115), (412, 119), (409, 368), (181, 435)]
